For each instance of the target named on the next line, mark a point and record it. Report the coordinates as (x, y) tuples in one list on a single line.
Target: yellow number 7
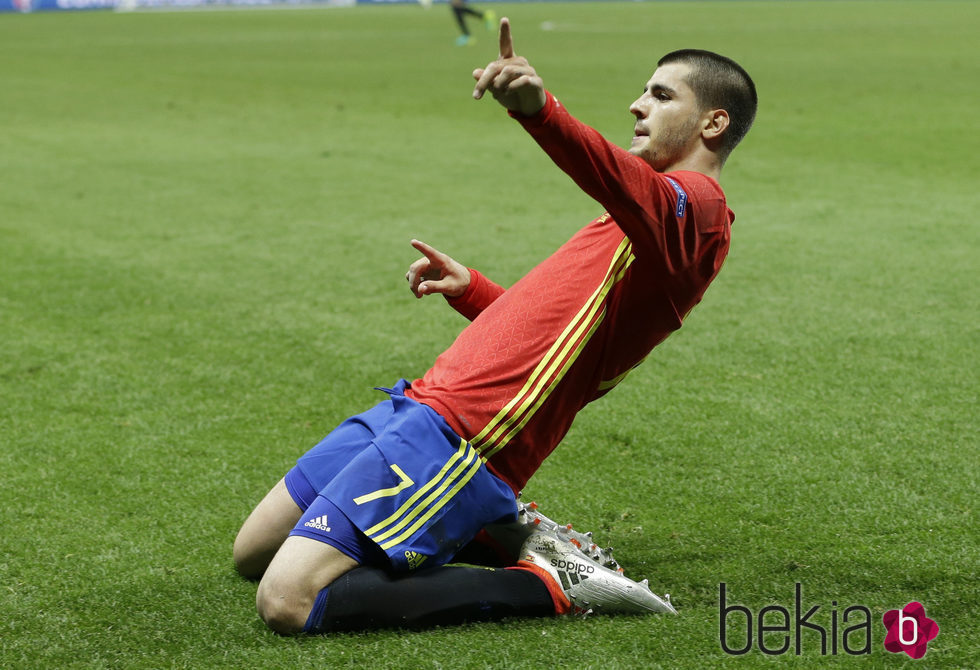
[(405, 482)]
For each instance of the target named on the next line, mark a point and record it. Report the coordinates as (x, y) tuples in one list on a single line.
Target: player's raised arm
[(510, 79)]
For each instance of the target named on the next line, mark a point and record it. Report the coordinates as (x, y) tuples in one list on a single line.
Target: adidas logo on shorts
[(414, 559), (320, 523)]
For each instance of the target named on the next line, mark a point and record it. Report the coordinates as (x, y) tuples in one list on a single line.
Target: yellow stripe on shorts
[(459, 469)]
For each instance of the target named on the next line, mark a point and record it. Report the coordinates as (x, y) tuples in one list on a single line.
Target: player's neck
[(705, 165), (699, 158)]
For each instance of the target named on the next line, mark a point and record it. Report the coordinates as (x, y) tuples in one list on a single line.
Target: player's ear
[(715, 123)]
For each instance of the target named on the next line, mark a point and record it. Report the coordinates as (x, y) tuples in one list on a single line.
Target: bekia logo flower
[(909, 630)]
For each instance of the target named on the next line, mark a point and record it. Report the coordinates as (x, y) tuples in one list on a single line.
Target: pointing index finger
[(429, 252), (506, 41)]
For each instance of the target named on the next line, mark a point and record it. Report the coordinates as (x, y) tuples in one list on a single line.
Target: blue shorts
[(396, 483)]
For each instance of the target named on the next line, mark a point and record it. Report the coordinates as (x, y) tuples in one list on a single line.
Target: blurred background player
[(460, 10)]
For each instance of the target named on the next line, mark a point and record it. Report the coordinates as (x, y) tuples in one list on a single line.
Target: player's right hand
[(511, 79), (436, 272)]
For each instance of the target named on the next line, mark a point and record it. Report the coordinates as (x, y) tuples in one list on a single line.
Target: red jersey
[(573, 327)]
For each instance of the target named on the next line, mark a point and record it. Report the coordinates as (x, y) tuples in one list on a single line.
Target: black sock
[(367, 598), (486, 551)]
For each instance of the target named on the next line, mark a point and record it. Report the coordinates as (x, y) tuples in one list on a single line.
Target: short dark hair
[(720, 83)]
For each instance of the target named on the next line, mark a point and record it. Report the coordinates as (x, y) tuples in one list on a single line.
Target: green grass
[(204, 225)]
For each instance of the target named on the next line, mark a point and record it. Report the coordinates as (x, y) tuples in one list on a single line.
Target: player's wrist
[(468, 287), (464, 283), (538, 109), (535, 104)]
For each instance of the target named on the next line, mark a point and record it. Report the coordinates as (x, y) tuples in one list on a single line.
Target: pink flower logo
[(909, 630)]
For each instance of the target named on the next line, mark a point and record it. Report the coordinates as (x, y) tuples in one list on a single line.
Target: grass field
[(204, 226)]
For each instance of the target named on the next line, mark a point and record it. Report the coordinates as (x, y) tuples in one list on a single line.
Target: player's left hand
[(510, 79), (436, 272)]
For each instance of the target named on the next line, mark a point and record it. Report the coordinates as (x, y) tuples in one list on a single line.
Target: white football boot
[(589, 586), (513, 535), (583, 541)]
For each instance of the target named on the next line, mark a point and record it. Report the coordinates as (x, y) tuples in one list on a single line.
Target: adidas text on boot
[(589, 586)]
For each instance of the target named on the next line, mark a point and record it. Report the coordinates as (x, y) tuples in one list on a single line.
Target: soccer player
[(357, 535), (461, 9)]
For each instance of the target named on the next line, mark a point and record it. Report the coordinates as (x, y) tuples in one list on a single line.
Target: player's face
[(667, 118)]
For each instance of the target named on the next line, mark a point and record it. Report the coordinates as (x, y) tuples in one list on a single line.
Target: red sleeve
[(651, 208), (477, 297)]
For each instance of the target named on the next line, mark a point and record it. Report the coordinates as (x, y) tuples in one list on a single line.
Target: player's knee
[(280, 613), (246, 558)]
